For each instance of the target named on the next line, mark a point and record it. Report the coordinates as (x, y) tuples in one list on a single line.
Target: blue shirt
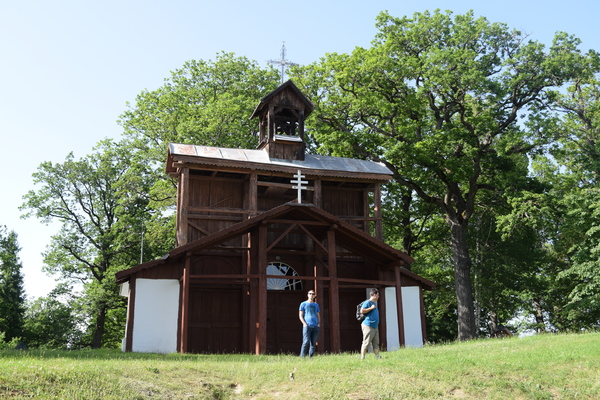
[(311, 311), (372, 317)]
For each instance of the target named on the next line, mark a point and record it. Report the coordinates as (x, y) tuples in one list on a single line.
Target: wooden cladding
[(210, 203)]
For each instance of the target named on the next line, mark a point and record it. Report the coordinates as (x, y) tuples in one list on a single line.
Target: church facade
[(257, 229)]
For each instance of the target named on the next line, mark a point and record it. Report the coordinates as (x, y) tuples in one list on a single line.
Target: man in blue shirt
[(310, 316), (370, 325)]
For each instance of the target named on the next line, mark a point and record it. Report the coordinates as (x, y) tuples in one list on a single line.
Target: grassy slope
[(539, 367)]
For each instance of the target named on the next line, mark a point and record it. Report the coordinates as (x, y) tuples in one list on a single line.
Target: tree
[(12, 294), (53, 322), (204, 102), (575, 172), (101, 201), (438, 98)]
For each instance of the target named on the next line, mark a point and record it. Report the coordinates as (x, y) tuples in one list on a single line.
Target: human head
[(374, 292), (311, 294)]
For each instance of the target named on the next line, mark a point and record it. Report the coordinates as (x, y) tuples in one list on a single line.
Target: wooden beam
[(252, 293), (284, 234), (198, 228), (318, 194), (220, 210), (399, 311), (366, 227), (182, 206), (130, 315), (310, 235), (283, 185), (334, 295), (378, 212), (185, 300), (292, 221), (252, 194), (261, 323), (423, 324)]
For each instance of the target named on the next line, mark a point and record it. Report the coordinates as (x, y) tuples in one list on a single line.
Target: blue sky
[(68, 67)]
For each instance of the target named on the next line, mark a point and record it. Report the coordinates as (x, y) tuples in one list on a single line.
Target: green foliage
[(204, 102), (568, 214), (6, 344), (102, 202), (53, 322), (12, 294), (439, 99)]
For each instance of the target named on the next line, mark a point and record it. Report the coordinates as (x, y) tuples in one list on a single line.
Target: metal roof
[(311, 161)]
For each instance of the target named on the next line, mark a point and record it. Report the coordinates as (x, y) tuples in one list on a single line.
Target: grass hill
[(538, 367)]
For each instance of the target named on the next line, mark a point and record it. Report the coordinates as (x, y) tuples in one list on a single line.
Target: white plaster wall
[(391, 317), (155, 319), (411, 308)]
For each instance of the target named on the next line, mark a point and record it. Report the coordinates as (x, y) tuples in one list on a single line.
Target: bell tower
[(281, 115)]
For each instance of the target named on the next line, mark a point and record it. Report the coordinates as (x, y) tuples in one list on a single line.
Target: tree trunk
[(99, 327), (493, 322), (462, 276), (539, 316)]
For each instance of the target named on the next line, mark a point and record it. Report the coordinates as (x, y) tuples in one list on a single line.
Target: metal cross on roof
[(299, 182), (282, 62)]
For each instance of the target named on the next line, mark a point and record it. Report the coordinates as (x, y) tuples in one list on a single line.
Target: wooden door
[(350, 330), (216, 321), (284, 329)]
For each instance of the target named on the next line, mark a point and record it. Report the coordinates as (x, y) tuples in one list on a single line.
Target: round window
[(279, 268)]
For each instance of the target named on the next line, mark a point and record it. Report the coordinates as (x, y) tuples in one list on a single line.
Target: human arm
[(301, 317), (365, 310)]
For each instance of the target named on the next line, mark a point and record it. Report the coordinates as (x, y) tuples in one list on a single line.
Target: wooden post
[(130, 315), (251, 268), (334, 296), (252, 195), (261, 323), (378, 213), (399, 310), (271, 123), (423, 324), (185, 300), (182, 206), (317, 193)]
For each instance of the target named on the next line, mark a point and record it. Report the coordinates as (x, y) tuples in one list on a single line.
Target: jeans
[(309, 340)]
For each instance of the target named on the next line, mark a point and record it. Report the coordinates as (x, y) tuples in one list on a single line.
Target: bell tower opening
[(281, 116)]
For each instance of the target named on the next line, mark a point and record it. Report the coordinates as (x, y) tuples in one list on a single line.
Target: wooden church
[(257, 229)]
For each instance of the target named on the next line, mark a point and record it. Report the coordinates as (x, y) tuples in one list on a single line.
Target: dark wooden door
[(216, 323), (284, 329), (350, 331)]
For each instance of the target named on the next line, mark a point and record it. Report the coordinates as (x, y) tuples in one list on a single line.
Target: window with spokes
[(279, 268)]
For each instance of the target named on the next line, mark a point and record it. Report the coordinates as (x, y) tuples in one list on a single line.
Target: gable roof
[(289, 85), (347, 236)]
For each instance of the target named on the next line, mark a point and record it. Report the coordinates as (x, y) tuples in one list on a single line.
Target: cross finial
[(299, 182), (282, 62)]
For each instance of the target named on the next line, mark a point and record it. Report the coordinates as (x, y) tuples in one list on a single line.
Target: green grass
[(538, 367)]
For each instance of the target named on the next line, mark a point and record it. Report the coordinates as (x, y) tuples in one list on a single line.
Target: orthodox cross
[(282, 62), (299, 182)]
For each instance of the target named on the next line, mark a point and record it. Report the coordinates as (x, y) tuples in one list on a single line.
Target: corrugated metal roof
[(317, 162)]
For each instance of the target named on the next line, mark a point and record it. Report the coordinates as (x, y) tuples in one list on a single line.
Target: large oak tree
[(439, 99)]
